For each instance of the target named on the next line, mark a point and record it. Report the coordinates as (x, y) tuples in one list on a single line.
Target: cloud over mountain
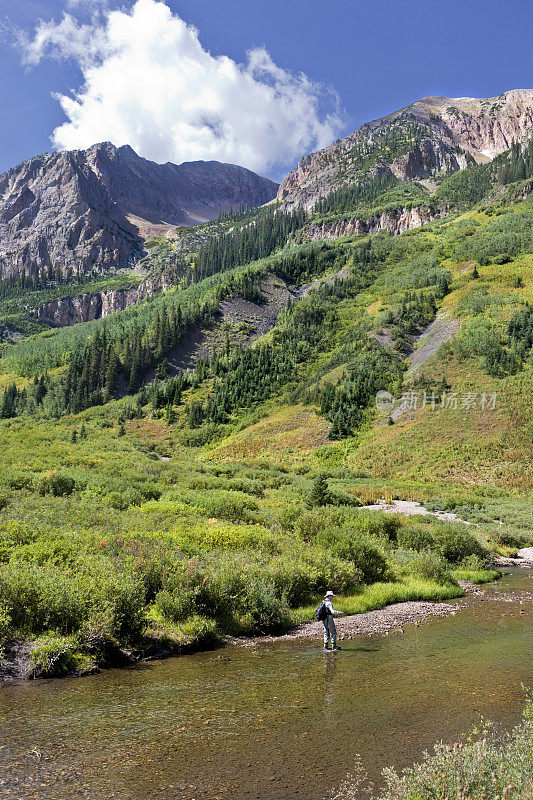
[(149, 82)]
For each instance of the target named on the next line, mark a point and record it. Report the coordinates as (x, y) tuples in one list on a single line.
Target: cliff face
[(94, 305), (484, 128), (394, 222), (54, 209), (432, 135), (90, 208)]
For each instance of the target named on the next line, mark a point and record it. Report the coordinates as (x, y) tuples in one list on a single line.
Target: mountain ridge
[(92, 208), (417, 142)]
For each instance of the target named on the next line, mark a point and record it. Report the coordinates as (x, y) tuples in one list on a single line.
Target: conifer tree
[(319, 494), (112, 372)]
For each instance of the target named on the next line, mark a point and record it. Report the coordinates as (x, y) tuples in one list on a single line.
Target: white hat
[(329, 593)]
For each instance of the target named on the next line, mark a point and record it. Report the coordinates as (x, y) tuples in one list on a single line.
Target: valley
[(194, 451)]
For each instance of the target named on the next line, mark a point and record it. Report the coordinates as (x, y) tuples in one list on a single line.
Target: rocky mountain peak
[(92, 208), (431, 135)]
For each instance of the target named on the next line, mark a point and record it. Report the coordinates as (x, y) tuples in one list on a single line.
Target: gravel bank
[(382, 621)]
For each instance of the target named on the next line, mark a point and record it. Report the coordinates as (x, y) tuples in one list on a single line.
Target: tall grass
[(379, 595)]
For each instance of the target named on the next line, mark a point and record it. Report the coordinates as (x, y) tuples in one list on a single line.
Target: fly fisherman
[(326, 612)]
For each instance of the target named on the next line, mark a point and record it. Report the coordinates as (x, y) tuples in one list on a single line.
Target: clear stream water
[(277, 721)]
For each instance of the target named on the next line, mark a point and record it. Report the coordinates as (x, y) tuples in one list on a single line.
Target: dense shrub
[(20, 480), (119, 611), (424, 563), (455, 545), (55, 483), (53, 656), (378, 525), (288, 517), (38, 597), (91, 596), (123, 500), (221, 535), (415, 539), (365, 555), (200, 630), (221, 586), (246, 485), (239, 594), (5, 625), (176, 605), (300, 576), (264, 610), (14, 533), (309, 524), (474, 563), (224, 504), (508, 539)]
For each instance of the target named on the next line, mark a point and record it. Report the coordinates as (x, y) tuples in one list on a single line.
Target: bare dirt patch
[(412, 508), (242, 321)]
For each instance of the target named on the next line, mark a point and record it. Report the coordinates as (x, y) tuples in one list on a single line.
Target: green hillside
[(153, 496)]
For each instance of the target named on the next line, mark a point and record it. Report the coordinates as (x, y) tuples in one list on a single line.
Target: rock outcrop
[(89, 209), (432, 135), (394, 222), (9, 334), (66, 311)]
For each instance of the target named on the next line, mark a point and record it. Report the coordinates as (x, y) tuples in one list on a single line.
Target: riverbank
[(393, 617), (250, 722), (524, 558), (380, 621), (372, 611), (485, 763)]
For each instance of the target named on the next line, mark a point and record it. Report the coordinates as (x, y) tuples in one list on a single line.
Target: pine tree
[(112, 372), (195, 414), (8, 406), (170, 414), (40, 389), (135, 373), (319, 494)]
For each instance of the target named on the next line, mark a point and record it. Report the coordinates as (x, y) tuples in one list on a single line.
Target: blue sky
[(376, 56)]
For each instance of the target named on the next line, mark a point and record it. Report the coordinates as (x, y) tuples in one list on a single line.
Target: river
[(276, 721)]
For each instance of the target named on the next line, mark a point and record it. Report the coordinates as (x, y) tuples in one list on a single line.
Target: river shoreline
[(16, 664), (390, 619), (393, 617), (250, 722)]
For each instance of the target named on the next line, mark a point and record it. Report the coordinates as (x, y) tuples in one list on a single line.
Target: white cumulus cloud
[(149, 82), (85, 42)]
